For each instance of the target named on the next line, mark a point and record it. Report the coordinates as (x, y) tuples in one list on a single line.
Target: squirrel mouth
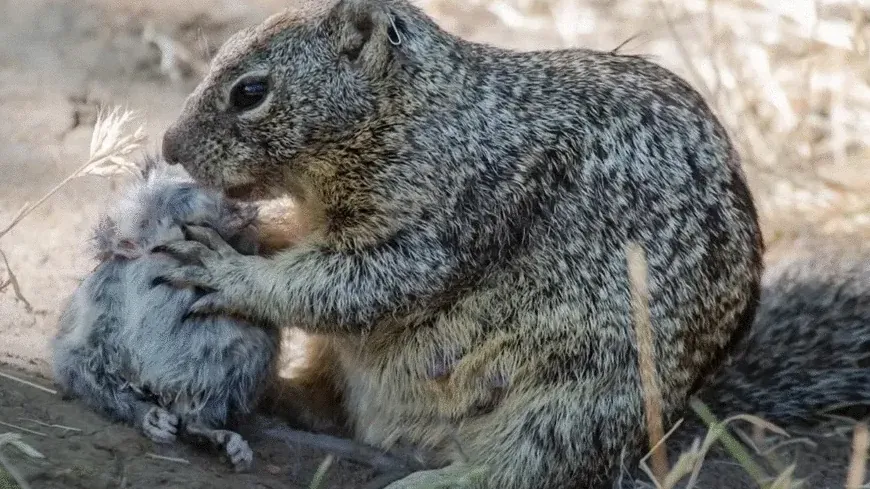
[(241, 192)]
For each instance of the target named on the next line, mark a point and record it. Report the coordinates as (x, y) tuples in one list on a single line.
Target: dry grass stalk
[(320, 475), (48, 425), (174, 460), (27, 383), (20, 428), (110, 149), (14, 440), (12, 280), (858, 465), (637, 269)]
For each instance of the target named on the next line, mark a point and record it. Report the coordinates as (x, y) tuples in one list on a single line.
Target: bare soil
[(84, 450), (60, 61)]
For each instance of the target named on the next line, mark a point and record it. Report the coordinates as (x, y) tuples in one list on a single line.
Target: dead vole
[(125, 346)]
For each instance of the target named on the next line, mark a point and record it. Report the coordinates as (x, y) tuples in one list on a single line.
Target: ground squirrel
[(470, 208), (122, 346)]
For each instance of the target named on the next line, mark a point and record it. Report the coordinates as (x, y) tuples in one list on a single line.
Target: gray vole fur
[(123, 346), (472, 208)]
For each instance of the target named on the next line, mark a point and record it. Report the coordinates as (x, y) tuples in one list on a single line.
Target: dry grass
[(637, 269), (858, 467), (690, 462), (14, 440), (28, 383), (175, 460), (112, 144)]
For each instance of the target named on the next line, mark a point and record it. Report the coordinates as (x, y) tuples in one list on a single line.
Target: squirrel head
[(307, 80)]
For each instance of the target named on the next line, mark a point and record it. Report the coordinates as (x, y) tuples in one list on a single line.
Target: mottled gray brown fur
[(472, 208), (123, 346)]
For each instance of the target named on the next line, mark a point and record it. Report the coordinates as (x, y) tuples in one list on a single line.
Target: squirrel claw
[(211, 305), (187, 252), (186, 276), (211, 239)]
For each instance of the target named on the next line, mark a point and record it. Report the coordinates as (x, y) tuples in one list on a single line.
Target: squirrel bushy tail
[(806, 354), (808, 350)]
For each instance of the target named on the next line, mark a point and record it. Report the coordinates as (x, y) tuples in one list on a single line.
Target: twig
[(47, 425), (19, 428), (13, 281), (167, 459), (27, 383)]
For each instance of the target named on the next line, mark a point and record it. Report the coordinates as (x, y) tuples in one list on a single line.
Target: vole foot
[(236, 448), (160, 425)]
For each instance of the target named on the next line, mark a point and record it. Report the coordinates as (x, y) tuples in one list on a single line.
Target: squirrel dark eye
[(248, 93)]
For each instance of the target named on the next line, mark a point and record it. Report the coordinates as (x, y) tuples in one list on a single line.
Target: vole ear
[(103, 238), (367, 33), (127, 248)]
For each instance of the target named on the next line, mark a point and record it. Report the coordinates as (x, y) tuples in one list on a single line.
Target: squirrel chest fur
[(471, 209)]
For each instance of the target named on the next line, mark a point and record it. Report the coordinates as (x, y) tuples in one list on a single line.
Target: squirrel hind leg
[(453, 476)]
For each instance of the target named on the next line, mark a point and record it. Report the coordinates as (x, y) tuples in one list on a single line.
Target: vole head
[(152, 210), (315, 76)]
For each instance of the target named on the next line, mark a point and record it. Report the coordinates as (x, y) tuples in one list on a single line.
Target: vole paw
[(160, 425)]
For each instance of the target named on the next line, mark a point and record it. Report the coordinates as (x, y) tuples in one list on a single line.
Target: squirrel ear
[(367, 33)]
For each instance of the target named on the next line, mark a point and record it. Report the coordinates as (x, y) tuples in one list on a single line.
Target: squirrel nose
[(172, 146)]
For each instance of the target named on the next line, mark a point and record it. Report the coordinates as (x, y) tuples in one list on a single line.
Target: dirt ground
[(59, 61), (83, 450)]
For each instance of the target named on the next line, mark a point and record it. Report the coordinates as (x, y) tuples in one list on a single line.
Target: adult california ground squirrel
[(122, 346), (470, 208)]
